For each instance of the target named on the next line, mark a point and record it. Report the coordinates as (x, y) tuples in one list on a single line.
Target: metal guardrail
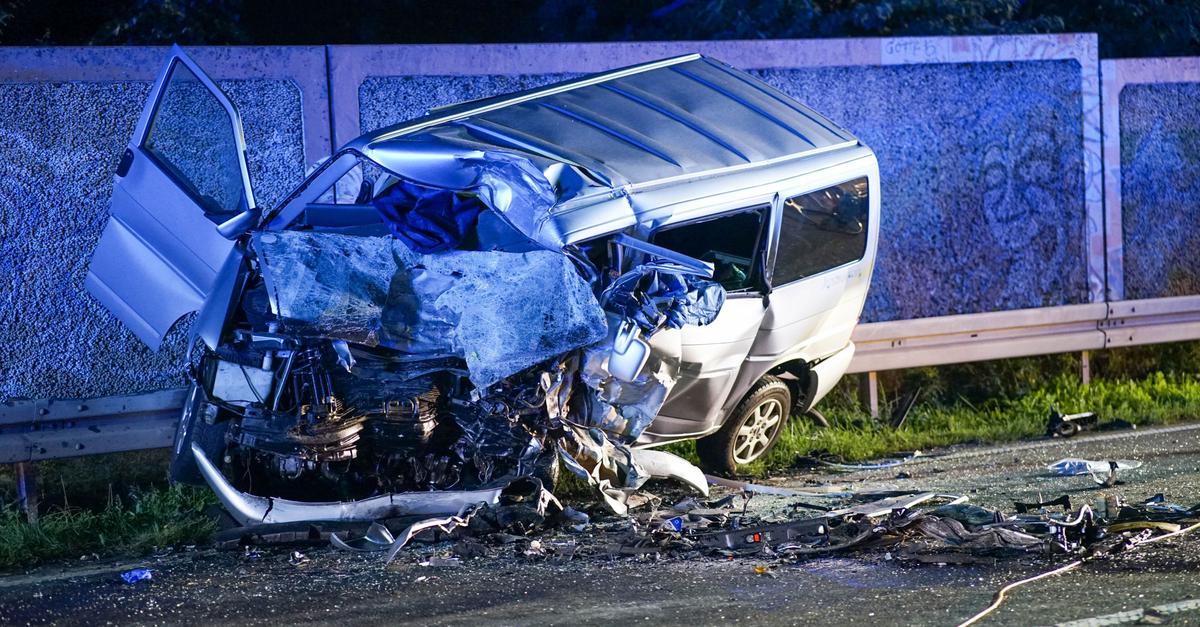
[(1023, 332), (35, 430)]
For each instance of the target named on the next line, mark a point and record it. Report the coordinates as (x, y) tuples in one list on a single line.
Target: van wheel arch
[(801, 381)]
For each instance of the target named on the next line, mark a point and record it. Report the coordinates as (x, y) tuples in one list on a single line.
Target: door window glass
[(822, 230), (730, 242), (193, 138)]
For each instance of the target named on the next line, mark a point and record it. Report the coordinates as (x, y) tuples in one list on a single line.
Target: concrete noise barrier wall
[(997, 194)]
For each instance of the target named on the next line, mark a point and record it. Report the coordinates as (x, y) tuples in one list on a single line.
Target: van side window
[(822, 230), (730, 242)]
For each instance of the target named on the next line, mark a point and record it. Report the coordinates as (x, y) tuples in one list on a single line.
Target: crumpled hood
[(501, 312)]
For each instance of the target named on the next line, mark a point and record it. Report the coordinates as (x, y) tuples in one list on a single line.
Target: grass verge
[(145, 520)]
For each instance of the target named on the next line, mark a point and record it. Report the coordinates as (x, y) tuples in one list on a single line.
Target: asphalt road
[(208, 586)]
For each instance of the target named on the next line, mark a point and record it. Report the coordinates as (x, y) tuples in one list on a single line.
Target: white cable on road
[(998, 598)]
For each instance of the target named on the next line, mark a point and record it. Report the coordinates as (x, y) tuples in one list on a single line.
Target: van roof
[(679, 116), (682, 117)]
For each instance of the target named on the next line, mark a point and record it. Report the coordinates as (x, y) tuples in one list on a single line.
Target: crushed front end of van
[(450, 311)]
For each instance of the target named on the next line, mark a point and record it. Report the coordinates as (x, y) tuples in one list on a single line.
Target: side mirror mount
[(237, 225)]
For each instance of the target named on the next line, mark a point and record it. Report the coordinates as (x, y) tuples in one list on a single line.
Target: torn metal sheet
[(501, 312), (665, 294), (883, 507), (625, 408), (1071, 466), (248, 509), (952, 532), (446, 525), (378, 538), (606, 465), (515, 186), (757, 488)]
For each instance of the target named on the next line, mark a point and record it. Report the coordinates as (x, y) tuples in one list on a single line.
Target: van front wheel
[(751, 430)]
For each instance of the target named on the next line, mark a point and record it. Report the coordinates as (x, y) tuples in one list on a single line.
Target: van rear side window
[(730, 242), (822, 230)]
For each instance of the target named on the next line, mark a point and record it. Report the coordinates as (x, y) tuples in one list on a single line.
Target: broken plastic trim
[(664, 465), (249, 509)]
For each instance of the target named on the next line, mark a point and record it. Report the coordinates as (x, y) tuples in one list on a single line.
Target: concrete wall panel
[(65, 117), (1152, 182)]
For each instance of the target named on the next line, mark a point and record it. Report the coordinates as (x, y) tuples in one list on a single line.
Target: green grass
[(1157, 399), (145, 520)]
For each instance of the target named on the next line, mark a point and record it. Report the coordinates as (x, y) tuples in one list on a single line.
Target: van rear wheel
[(751, 429)]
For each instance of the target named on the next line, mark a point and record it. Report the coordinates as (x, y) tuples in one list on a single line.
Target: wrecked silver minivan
[(563, 277)]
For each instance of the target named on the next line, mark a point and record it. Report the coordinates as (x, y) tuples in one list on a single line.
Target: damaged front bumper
[(248, 509)]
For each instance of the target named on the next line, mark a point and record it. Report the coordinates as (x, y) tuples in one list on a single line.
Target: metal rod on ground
[(27, 490), (868, 392)]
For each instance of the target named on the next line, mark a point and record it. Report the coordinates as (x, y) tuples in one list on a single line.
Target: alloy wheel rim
[(756, 433)]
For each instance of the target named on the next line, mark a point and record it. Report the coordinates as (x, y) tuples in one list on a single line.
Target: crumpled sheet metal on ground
[(501, 312), (951, 532)]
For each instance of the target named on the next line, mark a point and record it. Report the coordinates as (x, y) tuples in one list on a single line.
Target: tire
[(758, 419)]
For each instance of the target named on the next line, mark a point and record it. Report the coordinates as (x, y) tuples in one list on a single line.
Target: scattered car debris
[(1104, 473), (1125, 542), (876, 465), (1060, 425), (445, 525), (756, 488), (138, 574), (903, 408), (1063, 501), (1067, 425), (377, 538)]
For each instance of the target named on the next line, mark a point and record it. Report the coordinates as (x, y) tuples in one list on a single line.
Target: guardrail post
[(1085, 367), (868, 392), (27, 490)]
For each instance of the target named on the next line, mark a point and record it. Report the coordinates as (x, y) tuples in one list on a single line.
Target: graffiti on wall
[(1160, 189)]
